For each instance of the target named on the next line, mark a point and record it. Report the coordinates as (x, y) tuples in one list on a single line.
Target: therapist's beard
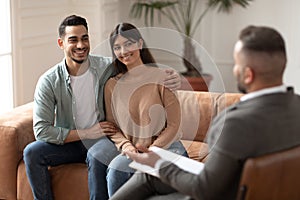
[(241, 88)]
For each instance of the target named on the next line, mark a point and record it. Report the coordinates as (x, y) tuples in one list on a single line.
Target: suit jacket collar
[(277, 89), (261, 99)]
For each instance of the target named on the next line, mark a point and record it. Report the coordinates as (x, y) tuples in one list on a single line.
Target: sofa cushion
[(63, 178), (196, 150), (199, 108)]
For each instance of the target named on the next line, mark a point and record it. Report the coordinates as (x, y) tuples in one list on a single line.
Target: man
[(266, 120), (69, 114)]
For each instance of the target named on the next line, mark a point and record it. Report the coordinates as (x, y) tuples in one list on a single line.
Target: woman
[(147, 113)]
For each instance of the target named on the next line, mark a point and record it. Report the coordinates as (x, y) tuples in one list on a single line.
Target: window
[(6, 89)]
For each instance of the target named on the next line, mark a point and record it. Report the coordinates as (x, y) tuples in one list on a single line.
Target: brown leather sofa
[(70, 181)]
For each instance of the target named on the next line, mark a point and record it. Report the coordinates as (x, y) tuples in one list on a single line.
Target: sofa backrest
[(199, 108)]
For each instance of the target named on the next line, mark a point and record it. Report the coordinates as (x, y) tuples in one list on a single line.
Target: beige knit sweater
[(146, 112)]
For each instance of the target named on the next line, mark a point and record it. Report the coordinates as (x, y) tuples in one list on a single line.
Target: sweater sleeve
[(172, 131), (118, 138)]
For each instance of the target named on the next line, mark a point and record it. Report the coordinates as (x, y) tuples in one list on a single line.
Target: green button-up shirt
[(54, 103)]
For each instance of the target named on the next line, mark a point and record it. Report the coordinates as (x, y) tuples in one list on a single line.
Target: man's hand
[(108, 128), (98, 130), (173, 80), (146, 157)]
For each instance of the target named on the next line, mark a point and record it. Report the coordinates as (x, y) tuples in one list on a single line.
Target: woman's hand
[(129, 148)]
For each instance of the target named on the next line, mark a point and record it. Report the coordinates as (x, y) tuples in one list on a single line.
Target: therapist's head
[(260, 58)]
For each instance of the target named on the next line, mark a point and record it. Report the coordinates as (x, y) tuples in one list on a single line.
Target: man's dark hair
[(72, 20), (262, 39)]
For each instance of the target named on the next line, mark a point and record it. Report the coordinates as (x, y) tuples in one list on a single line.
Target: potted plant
[(186, 18)]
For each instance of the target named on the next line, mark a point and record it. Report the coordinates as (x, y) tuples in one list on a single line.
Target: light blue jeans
[(38, 156), (119, 172)]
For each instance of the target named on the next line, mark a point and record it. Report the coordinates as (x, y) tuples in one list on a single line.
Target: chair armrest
[(16, 131)]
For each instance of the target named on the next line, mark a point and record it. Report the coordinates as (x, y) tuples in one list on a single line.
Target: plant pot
[(200, 83)]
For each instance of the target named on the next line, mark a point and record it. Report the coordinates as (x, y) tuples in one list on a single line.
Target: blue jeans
[(38, 156), (119, 172)]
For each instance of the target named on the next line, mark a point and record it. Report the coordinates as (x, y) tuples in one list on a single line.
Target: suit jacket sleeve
[(213, 180), (221, 172)]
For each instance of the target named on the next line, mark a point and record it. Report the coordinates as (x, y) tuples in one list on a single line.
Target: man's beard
[(78, 61), (241, 88)]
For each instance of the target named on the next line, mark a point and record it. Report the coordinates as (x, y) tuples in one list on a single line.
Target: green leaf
[(140, 8), (181, 13), (227, 5)]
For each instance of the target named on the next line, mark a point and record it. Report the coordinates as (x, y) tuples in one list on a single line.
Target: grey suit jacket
[(250, 128)]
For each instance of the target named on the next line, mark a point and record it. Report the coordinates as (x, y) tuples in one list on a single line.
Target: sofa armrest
[(16, 132)]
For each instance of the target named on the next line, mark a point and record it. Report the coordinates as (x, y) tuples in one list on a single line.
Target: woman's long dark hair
[(130, 32)]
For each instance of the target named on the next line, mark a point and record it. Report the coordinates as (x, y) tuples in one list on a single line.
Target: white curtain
[(6, 89)]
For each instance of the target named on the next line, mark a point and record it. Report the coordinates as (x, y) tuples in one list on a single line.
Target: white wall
[(35, 23), (219, 32), (223, 31), (35, 32)]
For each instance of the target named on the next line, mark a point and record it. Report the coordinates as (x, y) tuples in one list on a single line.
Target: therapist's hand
[(145, 156)]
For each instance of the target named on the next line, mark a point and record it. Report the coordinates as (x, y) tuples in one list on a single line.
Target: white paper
[(182, 162)]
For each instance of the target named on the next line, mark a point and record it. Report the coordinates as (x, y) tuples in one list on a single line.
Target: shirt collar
[(277, 89), (65, 68)]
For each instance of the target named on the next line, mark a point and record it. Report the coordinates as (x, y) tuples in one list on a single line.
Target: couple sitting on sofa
[(247, 131), (69, 127)]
